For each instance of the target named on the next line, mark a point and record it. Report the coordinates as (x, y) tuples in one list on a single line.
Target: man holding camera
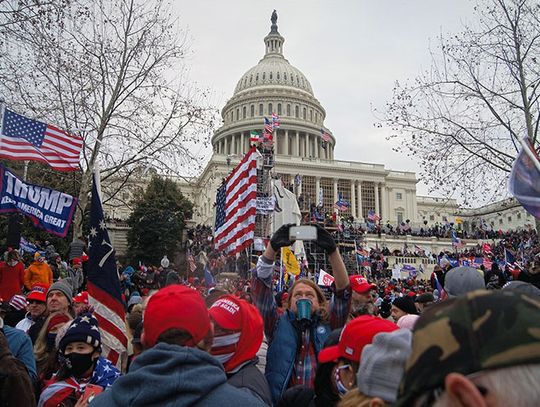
[(296, 336)]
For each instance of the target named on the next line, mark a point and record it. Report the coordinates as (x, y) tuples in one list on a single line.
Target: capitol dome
[(275, 87)]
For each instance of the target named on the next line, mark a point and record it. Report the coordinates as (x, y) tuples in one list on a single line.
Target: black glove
[(325, 240), (280, 238)]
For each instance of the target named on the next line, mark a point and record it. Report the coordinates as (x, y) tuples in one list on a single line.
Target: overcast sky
[(351, 51)]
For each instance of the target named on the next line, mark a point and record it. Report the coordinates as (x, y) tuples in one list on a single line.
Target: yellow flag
[(289, 261)]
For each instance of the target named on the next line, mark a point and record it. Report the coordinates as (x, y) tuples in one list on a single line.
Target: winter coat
[(249, 377), (37, 272), (173, 376), (11, 280)]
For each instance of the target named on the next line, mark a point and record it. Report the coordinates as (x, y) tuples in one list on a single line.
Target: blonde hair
[(323, 302), (355, 398), (40, 347)]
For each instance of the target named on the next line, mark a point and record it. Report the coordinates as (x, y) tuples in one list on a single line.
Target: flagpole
[(281, 270)]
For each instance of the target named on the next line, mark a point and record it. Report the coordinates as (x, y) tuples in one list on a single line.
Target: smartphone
[(91, 391), (305, 232)]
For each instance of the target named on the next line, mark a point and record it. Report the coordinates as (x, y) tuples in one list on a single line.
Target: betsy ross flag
[(255, 137), (236, 206), (24, 139), (524, 182), (104, 291)]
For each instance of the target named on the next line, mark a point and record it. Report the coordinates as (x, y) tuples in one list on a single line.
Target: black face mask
[(78, 363)]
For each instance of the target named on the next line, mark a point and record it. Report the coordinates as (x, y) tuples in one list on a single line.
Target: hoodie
[(173, 376), (37, 272)]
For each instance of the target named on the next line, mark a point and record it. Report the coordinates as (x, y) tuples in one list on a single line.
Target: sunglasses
[(35, 302)]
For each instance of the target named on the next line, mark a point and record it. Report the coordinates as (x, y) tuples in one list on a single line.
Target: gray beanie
[(64, 287), (382, 364), (463, 280)]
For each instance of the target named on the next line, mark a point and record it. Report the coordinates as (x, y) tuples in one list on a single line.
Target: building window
[(431, 217), (237, 114), (264, 76), (296, 111), (399, 217), (244, 113), (399, 196), (270, 108), (270, 75), (252, 110), (261, 109), (285, 75), (257, 78), (125, 196), (250, 79), (288, 110), (500, 221), (311, 115), (519, 215), (368, 197), (304, 113), (279, 108), (509, 219)]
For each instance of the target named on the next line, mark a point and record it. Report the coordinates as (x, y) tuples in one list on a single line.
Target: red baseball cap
[(360, 284), (175, 306), (38, 293), (227, 313), (358, 333), (76, 261), (81, 298)]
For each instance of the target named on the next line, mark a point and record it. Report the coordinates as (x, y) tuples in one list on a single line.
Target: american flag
[(325, 136), (268, 129), (523, 182), (191, 262), (275, 121), (236, 206), (104, 291), (24, 139), (372, 216)]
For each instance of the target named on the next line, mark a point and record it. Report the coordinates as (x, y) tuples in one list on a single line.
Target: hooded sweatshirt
[(37, 272), (173, 376)]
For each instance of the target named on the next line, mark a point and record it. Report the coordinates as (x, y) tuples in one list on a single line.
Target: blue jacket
[(20, 346), (283, 349), (173, 376)]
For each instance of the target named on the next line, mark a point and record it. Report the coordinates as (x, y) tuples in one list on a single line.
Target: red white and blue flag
[(268, 129), (104, 291), (524, 179), (22, 138), (275, 121), (325, 137), (236, 206)]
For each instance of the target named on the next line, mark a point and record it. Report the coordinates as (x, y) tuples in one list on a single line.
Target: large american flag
[(24, 139), (325, 136), (104, 290), (236, 206)]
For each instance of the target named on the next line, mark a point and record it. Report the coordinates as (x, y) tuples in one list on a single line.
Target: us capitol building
[(276, 86)]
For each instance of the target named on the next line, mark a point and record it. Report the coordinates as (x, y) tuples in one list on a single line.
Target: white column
[(317, 189), (306, 145), (353, 198), (360, 213), (384, 206), (316, 146), (242, 143), (335, 191), (377, 208), (286, 142), (226, 151), (233, 144), (297, 152)]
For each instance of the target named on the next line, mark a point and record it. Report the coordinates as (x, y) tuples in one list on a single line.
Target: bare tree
[(111, 71), (463, 119)]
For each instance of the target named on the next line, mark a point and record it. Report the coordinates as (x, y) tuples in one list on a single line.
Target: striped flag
[(325, 137), (191, 262), (104, 291), (523, 182), (268, 129), (254, 137), (275, 121), (24, 139), (236, 206)]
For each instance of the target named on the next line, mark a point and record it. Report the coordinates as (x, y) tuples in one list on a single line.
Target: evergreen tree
[(158, 221)]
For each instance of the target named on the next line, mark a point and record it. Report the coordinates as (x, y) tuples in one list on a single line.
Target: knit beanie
[(406, 304), (85, 329), (64, 287)]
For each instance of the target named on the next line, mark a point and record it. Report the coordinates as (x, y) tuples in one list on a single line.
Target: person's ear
[(463, 392)]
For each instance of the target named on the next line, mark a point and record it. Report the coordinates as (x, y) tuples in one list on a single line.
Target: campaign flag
[(275, 121), (409, 269), (26, 246), (523, 182), (325, 279), (236, 206), (47, 208), (22, 138), (104, 291), (208, 277), (325, 137), (255, 137), (289, 261), (456, 241)]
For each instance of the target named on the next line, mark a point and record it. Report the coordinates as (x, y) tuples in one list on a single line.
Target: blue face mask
[(340, 387), (51, 338)]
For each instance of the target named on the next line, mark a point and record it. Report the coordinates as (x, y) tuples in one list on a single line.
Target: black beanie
[(406, 304)]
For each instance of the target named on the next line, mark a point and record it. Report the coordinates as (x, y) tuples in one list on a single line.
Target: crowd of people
[(366, 340)]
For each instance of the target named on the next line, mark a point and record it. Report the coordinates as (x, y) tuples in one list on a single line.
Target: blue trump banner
[(49, 209)]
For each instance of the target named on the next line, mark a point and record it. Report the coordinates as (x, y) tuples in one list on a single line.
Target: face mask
[(224, 347), (340, 387), (13, 263), (78, 363), (51, 338)]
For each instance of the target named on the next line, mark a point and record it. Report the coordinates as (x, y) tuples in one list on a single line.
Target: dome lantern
[(274, 41)]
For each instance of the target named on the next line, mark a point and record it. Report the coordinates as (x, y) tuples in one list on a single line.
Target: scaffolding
[(263, 221)]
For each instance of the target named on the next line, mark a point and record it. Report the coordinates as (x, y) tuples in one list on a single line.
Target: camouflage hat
[(478, 331)]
